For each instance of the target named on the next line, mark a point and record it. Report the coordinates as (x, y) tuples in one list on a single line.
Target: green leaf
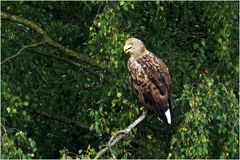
[(149, 136), (122, 3), (205, 121), (119, 94), (26, 103), (8, 109)]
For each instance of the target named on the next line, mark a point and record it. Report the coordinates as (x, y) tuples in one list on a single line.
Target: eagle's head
[(134, 46)]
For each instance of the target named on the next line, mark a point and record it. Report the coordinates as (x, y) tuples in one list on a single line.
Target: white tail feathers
[(168, 115)]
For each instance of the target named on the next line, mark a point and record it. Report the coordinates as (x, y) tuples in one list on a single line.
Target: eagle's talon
[(142, 109), (121, 132)]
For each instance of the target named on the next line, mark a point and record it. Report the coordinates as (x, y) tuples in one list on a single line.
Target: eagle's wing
[(151, 79)]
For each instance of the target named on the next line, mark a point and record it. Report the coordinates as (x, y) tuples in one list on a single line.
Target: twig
[(5, 130), (120, 134), (20, 50), (216, 68)]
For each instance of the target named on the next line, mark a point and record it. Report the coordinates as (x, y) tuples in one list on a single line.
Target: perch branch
[(20, 50), (48, 40), (120, 134)]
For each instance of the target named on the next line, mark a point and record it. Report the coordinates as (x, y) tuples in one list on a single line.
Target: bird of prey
[(150, 79)]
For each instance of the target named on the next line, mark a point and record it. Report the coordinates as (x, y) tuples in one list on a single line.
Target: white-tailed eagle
[(150, 79)]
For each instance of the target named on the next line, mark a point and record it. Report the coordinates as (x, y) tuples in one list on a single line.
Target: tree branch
[(20, 50), (48, 40), (120, 134), (33, 110)]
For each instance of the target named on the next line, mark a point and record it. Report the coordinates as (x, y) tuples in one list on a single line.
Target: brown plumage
[(150, 79)]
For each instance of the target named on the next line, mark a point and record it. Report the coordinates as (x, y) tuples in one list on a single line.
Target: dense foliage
[(57, 106)]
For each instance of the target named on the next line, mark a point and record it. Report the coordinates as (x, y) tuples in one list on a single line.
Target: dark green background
[(199, 42)]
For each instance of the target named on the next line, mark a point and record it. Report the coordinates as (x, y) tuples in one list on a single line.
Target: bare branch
[(20, 50), (39, 30), (120, 134)]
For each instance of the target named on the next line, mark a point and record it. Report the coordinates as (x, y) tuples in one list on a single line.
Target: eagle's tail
[(169, 116)]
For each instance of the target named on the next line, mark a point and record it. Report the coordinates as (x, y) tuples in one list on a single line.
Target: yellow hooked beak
[(127, 47)]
